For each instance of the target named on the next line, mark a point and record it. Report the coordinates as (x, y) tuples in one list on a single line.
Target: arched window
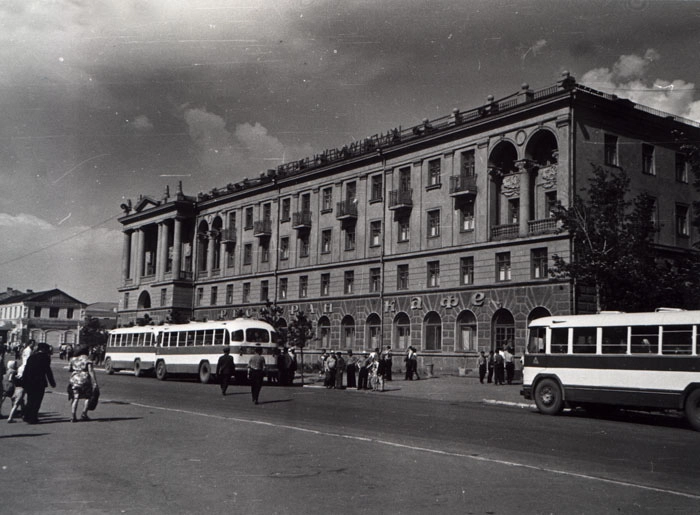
[(402, 331), (144, 300), (324, 332), (466, 332), (503, 329), (374, 331), (347, 332), (432, 330)]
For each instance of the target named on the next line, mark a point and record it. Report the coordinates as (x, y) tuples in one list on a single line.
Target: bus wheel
[(108, 366), (548, 397), (161, 371), (137, 368), (204, 372), (692, 409)]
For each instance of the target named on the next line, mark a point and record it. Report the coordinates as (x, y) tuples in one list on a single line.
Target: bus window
[(537, 339), (218, 337), (190, 338), (584, 340), (614, 340), (254, 335), (645, 339), (677, 339), (237, 335), (560, 341)]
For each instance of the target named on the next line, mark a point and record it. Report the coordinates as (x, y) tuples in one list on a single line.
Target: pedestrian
[(256, 372), (83, 381), (481, 363), (388, 363), (499, 368), (329, 380), (291, 366), (339, 369), (491, 363), (225, 369), (36, 377), (12, 390), (26, 352), (508, 359), (413, 362), (322, 362), (373, 370), (351, 370), (363, 376)]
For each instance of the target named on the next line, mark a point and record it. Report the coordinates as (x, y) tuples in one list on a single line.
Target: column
[(177, 249), (139, 254), (210, 254), (159, 249), (524, 167), (163, 231), (126, 256)]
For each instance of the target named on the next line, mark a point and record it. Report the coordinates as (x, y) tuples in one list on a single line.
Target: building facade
[(438, 236), (50, 316)]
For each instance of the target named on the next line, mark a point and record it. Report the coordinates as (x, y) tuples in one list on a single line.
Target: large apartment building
[(437, 236)]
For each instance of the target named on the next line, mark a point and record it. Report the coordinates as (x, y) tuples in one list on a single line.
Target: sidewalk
[(444, 387)]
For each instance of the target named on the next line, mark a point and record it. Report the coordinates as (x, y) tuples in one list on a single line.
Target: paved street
[(445, 444)]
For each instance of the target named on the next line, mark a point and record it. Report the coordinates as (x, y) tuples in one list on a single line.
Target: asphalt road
[(179, 447)]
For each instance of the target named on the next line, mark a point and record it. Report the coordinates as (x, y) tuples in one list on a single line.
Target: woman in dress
[(82, 381)]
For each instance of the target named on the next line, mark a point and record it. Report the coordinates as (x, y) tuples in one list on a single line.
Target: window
[(402, 277), (267, 211), (614, 340), (377, 188), (350, 238), (375, 233), (648, 159), (404, 229), (466, 267), (53, 312), (538, 259), (327, 200), (350, 191), (303, 245), (264, 251), (513, 210), (433, 274), (433, 172), (213, 295), (248, 218), (69, 313), (584, 340), (550, 199), (405, 179), (230, 256), (285, 215), (374, 331), (200, 296), (433, 331), (347, 331), (248, 254), (434, 223), (284, 247), (611, 150), (503, 266), (325, 285), (306, 202), (284, 286), (402, 331), (682, 220), (349, 282), (229, 294), (681, 168), (303, 286), (375, 279), (466, 332), (467, 167), (246, 292), (644, 339), (466, 217), (37, 311), (264, 291), (326, 240)]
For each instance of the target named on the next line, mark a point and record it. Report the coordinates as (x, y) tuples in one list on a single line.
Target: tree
[(272, 314), (299, 332), (691, 151), (612, 242), (92, 333)]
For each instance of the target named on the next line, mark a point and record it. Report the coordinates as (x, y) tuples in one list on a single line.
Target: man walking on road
[(224, 369), (256, 372)]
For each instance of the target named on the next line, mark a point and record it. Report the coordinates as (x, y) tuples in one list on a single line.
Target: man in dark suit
[(224, 369), (36, 377)]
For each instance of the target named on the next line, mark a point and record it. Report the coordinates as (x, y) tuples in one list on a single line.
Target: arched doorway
[(323, 332), (144, 300), (503, 333), (402, 331), (466, 332), (432, 331), (347, 332), (374, 332)]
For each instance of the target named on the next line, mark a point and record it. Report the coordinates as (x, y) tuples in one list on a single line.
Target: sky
[(105, 100)]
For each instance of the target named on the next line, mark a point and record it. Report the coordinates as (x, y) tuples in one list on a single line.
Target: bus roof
[(238, 323), (137, 329), (620, 319)]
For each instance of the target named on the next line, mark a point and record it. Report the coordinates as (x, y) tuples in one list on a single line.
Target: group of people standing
[(24, 381), (497, 367), (362, 373)]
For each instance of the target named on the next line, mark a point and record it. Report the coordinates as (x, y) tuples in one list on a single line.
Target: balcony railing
[(545, 226), (228, 235), (400, 199), (262, 228), (301, 220), (462, 185), (346, 210), (504, 232)]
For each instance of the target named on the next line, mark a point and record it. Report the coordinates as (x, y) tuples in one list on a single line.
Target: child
[(12, 389)]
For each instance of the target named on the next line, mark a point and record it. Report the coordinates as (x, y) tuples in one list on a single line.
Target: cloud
[(142, 124), (628, 78)]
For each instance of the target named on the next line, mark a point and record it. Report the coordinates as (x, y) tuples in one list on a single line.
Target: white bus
[(195, 348), (132, 348), (630, 360)]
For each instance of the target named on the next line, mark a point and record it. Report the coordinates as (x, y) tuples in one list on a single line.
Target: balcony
[(262, 228), (504, 232), (346, 210), (463, 186), (545, 226), (301, 220), (400, 199), (228, 235)]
